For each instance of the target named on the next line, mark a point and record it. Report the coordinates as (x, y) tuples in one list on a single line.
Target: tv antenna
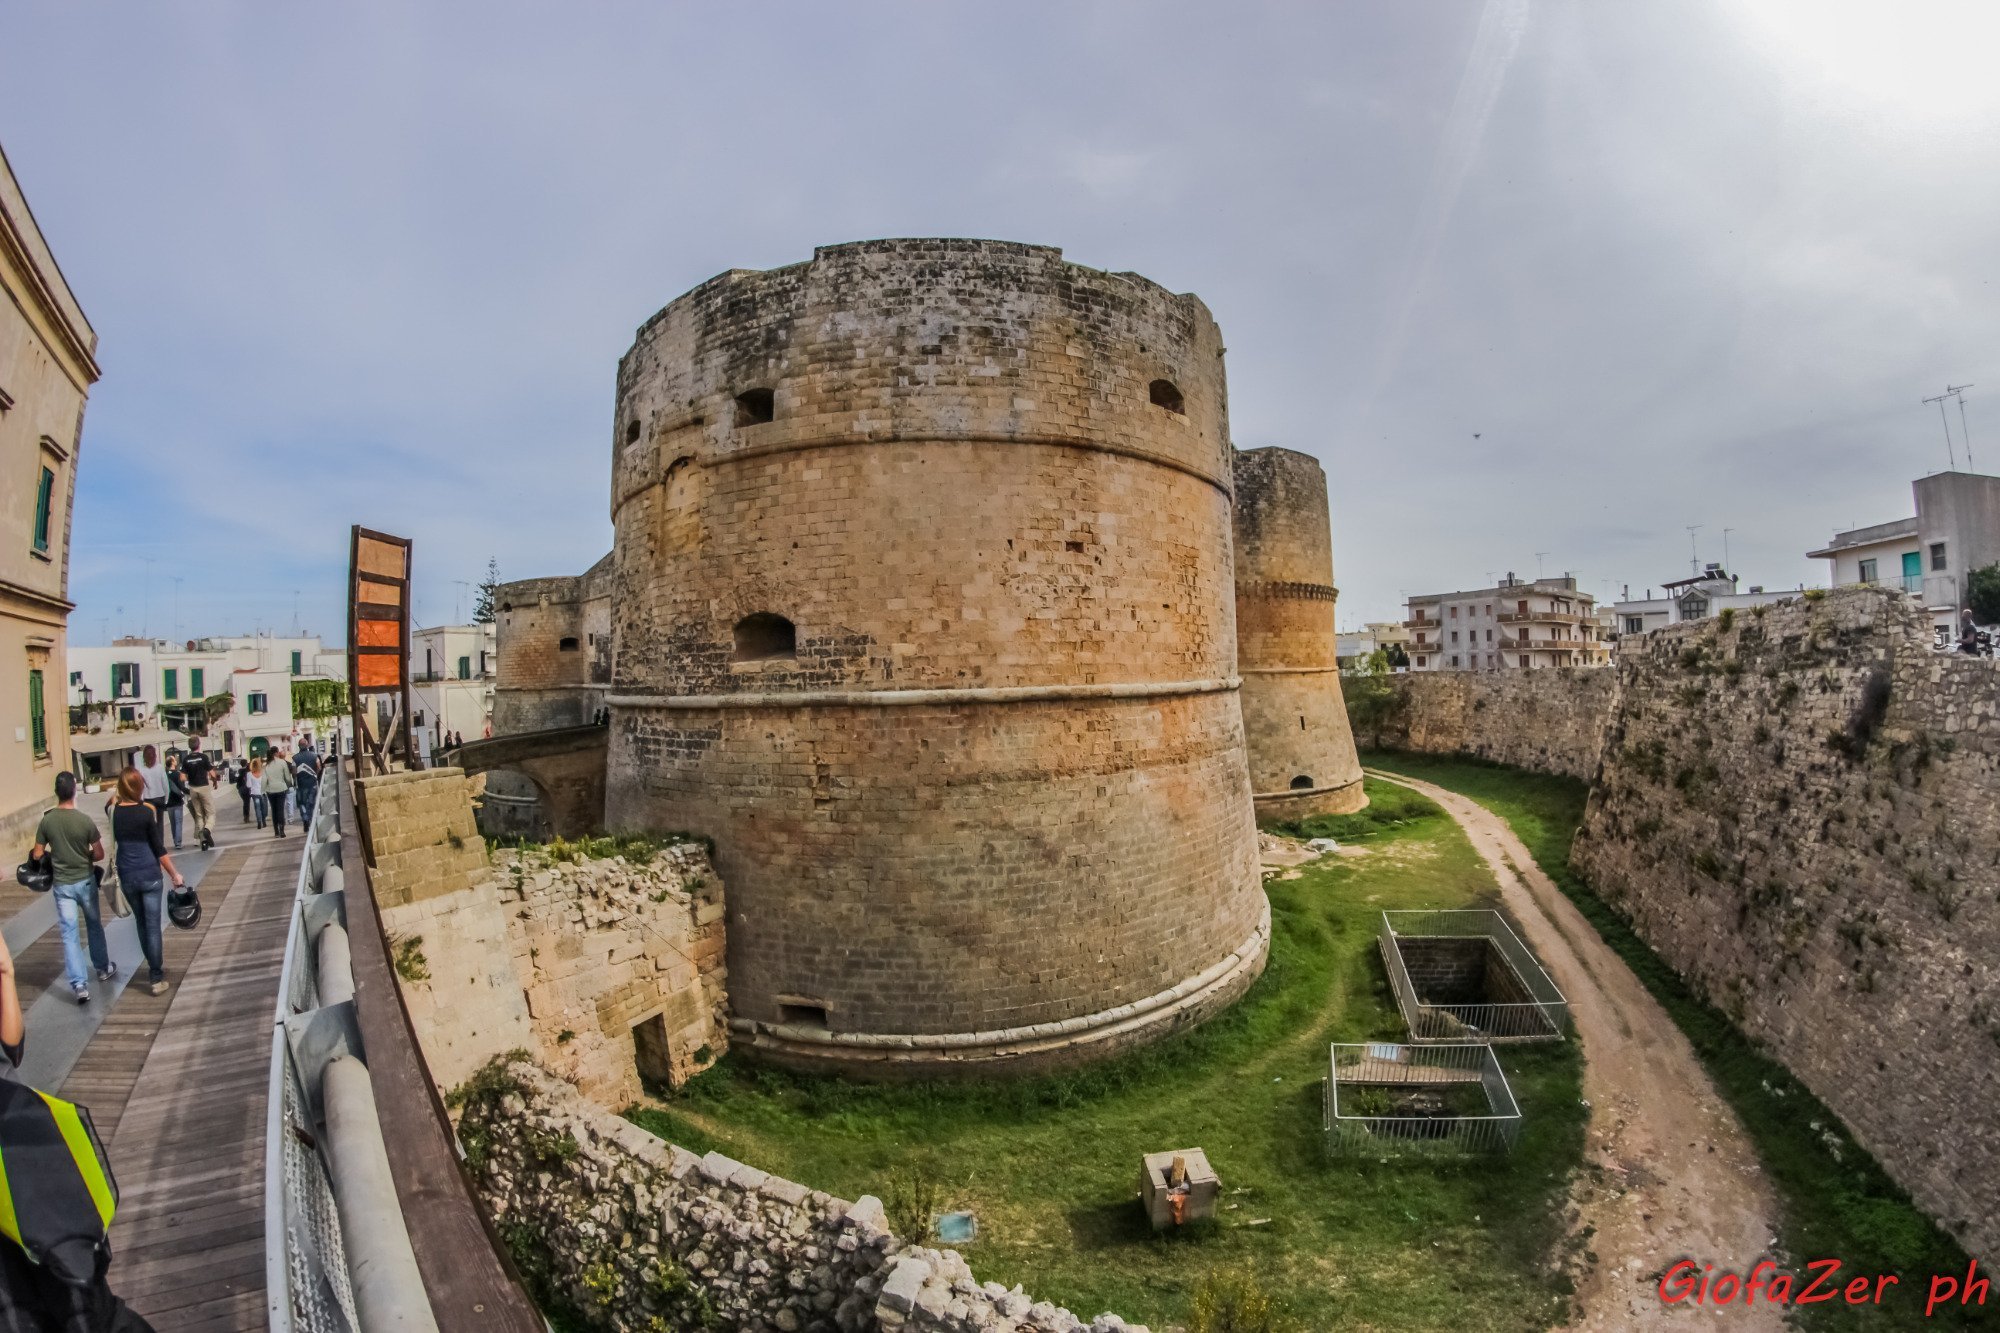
[(1725, 548), (1964, 432), (1538, 565), (1694, 555), (1940, 400)]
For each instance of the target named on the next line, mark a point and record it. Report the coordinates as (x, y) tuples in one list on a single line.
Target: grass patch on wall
[(1051, 1165), (1835, 1199)]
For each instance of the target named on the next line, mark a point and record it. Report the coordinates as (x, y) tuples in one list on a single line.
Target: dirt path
[(1670, 1173)]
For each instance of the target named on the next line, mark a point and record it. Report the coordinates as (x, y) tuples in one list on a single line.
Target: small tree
[(318, 700), (1982, 592), (483, 599), (1373, 701)]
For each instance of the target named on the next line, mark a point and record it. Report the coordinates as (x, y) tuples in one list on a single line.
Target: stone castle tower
[(923, 610), (1301, 749)]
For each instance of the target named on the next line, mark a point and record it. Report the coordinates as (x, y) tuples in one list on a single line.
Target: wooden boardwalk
[(178, 1092)]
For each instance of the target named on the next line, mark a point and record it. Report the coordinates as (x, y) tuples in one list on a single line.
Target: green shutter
[(170, 683), (295, 663), (194, 683), (38, 720), (44, 500)]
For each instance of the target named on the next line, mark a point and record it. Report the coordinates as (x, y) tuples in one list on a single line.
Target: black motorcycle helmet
[(183, 908)]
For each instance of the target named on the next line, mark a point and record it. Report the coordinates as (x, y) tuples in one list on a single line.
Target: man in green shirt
[(71, 839)]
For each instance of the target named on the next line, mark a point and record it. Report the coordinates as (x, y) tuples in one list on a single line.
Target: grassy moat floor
[(1050, 1166)]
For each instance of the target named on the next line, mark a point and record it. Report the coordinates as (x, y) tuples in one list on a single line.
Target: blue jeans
[(76, 906), (263, 804), (148, 897), (174, 819)]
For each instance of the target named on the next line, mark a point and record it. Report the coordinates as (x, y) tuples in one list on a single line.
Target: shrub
[(1982, 594), (1236, 1303), (913, 1198), (1727, 619)]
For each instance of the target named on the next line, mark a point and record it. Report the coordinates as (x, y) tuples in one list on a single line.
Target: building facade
[(1517, 625), (1955, 530), (1697, 597), (48, 361), (453, 669)]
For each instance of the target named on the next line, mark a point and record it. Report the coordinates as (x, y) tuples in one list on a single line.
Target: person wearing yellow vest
[(57, 1196)]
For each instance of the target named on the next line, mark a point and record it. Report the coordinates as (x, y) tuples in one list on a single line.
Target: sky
[(1541, 282)]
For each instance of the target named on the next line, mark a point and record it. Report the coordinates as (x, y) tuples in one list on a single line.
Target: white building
[(452, 670), (160, 685), (1955, 530), (1520, 624), (1708, 593)]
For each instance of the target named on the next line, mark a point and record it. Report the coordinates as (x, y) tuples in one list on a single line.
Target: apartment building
[(1696, 597), (452, 671), (1955, 530), (48, 361), (1517, 625)]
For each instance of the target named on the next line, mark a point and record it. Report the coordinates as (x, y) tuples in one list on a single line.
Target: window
[(429, 670), (258, 702), (801, 1012), (1454, 613), (1303, 782), (754, 407), (483, 667), (1635, 624), (465, 668), (75, 678), (1454, 636), (632, 431), (296, 662), (1454, 660), (1165, 393), (195, 683), (567, 645), (124, 680), (38, 716), (170, 684), (45, 496), (1489, 636), (763, 637), (1937, 555), (1867, 571), (1524, 659), (1423, 661)]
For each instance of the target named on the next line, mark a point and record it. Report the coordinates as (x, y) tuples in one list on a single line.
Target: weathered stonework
[(987, 806), (1550, 721), (553, 640), (635, 1232), (1301, 752), (1799, 811), (622, 964)]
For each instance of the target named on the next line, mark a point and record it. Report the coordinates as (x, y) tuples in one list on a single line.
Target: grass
[(1050, 1165), (1834, 1199)]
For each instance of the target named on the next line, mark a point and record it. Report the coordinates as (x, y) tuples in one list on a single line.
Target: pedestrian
[(154, 775), (142, 857), (255, 781), (71, 838), (241, 780), (305, 773), (277, 786), (177, 794), (200, 775)]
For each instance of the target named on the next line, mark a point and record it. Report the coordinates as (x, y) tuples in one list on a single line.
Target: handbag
[(37, 873)]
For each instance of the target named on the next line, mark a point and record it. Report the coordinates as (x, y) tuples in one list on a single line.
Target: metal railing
[(1389, 1097), (1544, 1016), (322, 1146)]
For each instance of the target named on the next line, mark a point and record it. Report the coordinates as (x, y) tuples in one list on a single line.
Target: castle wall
[(1006, 752), (553, 640), (1301, 750), (1799, 812), (1552, 721)]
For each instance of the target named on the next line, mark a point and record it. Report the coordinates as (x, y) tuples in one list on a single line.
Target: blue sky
[(1671, 263)]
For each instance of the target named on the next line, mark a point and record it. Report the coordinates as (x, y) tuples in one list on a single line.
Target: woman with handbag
[(142, 857)]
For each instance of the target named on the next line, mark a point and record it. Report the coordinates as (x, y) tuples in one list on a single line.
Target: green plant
[(565, 1037), (1726, 620), (1982, 593), (410, 962), (913, 1198), (317, 700), (1814, 594), (1236, 1303)]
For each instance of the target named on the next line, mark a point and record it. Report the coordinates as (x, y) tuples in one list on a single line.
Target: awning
[(107, 741)]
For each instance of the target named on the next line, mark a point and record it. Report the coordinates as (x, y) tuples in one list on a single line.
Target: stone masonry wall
[(1550, 721), (636, 1233), (1801, 812), (622, 963)]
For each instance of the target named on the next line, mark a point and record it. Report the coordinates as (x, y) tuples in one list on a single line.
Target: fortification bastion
[(923, 606)]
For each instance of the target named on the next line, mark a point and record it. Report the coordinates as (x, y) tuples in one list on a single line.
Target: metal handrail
[(1543, 1017), (310, 1286)]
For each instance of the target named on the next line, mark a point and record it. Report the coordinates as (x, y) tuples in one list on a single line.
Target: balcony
[(1539, 618), (1550, 645)]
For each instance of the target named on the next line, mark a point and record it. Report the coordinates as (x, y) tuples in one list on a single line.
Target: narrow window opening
[(651, 1053), (632, 431), (1302, 722), (1165, 393), (567, 645), (754, 407), (764, 636), (1302, 782), (797, 1012)]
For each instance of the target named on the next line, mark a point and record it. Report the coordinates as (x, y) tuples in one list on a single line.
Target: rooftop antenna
[(1725, 548), (1694, 554), (295, 612), (177, 607), (1964, 432), (1939, 400), (1538, 564), (458, 601)]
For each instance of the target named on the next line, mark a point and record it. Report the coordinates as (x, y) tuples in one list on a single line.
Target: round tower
[(1302, 759), (923, 613)]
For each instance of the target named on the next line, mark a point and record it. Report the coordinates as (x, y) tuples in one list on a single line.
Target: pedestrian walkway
[(176, 1084)]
